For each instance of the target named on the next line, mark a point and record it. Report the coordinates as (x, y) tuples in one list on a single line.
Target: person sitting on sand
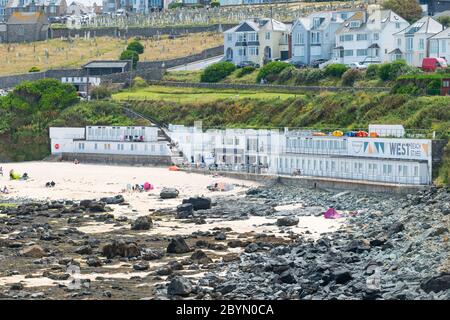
[(5, 190), (25, 176), (76, 161)]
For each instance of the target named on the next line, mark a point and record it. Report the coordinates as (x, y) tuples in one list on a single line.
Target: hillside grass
[(20, 57), (197, 95)]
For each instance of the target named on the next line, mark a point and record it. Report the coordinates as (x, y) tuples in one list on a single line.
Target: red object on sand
[(174, 168), (56, 146)]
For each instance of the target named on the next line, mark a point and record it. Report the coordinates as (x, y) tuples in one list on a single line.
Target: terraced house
[(412, 42), (313, 37), (258, 41), (440, 45), (367, 36), (52, 8)]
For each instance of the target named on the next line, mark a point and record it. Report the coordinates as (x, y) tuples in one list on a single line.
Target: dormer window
[(355, 24), (316, 22)]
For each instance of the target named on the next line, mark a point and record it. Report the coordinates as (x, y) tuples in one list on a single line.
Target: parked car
[(316, 63), (431, 64), (357, 65), (247, 64)]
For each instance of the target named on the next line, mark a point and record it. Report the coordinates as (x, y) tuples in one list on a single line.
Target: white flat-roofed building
[(108, 140), (393, 160)]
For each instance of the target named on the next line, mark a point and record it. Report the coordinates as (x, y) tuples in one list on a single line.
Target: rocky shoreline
[(388, 247)]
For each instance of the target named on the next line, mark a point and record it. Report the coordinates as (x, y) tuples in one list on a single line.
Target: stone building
[(27, 27)]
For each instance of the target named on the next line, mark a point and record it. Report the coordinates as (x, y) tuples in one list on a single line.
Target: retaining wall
[(277, 88), (118, 159), (322, 183)]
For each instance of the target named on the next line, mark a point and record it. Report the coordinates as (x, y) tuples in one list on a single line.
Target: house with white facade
[(439, 45), (258, 41), (367, 36), (412, 42), (313, 37)]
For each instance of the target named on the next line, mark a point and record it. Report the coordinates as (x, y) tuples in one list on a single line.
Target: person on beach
[(5, 190), (1, 171), (76, 161)]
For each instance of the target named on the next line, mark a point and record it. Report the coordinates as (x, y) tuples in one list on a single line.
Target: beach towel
[(148, 186), (174, 168), (331, 213)]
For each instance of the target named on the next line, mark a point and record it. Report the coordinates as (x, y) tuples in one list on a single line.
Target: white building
[(439, 45), (258, 41), (106, 141), (411, 43), (313, 37), (382, 159), (367, 36)]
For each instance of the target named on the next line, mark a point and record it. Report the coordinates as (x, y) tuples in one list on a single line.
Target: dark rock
[(237, 244), (178, 245), (164, 271), (84, 250), (200, 257), (438, 231), (179, 286), (199, 203), (169, 193), (34, 251), (120, 248), (395, 228), (185, 210), (341, 276), (252, 247), (142, 223), (287, 221), (437, 283), (17, 286), (152, 254), (226, 287), (287, 277), (220, 236), (113, 200), (141, 266), (94, 262)]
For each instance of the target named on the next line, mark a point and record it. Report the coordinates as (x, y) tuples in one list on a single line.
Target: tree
[(130, 55), (136, 46), (410, 10), (444, 20), (217, 71)]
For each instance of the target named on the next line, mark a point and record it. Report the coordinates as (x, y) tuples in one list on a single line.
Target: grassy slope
[(191, 95)]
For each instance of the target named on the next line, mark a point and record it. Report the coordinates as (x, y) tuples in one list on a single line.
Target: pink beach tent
[(331, 213)]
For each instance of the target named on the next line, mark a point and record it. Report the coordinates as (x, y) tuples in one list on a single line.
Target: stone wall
[(205, 54), (135, 32), (13, 80), (118, 159), (278, 88)]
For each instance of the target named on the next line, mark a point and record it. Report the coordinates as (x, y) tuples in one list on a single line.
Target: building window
[(399, 42), (315, 37), (253, 36), (361, 37), (361, 52), (253, 51), (229, 37), (376, 36), (421, 44), (409, 43), (397, 25), (267, 35), (348, 53), (346, 37)]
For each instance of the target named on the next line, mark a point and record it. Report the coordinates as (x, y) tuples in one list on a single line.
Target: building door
[(284, 55), (230, 54)]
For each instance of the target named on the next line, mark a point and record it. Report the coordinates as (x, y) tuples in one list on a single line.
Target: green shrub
[(271, 70), (434, 87), (372, 70), (138, 82), (244, 71), (130, 55), (217, 71), (100, 92), (34, 69), (350, 76), (409, 88), (335, 70), (287, 74), (390, 71), (309, 76), (136, 46), (175, 5), (215, 4)]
